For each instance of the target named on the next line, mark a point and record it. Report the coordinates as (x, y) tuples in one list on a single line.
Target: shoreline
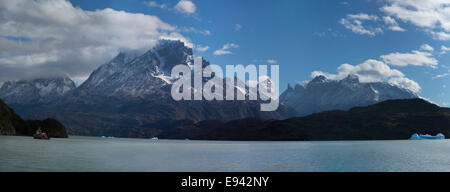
[(246, 141)]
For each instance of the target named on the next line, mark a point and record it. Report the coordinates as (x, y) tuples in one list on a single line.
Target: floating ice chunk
[(415, 136), (430, 137)]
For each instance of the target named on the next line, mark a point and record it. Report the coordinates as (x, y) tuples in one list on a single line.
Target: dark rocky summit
[(12, 124), (388, 120)]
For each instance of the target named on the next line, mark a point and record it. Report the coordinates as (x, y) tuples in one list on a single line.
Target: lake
[(117, 154)]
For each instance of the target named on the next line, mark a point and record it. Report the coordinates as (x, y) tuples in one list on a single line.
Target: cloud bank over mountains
[(431, 17), (373, 70), (54, 37)]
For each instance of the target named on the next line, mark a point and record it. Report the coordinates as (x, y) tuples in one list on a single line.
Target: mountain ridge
[(38, 90), (387, 120), (322, 94), (129, 96), (132, 90)]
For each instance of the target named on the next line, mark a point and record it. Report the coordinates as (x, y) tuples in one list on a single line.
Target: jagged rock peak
[(319, 79), (322, 94), (298, 87), (351, 79)]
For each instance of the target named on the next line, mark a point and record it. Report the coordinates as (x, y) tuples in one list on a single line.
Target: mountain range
[(322, 94), (42, 90), (129, 96)]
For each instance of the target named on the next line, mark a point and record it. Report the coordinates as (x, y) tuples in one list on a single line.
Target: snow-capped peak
[(321, 94), (35, 90), (135, 74), (128, 55)]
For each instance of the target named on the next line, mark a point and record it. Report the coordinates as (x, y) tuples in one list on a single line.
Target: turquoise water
[(103, 154)]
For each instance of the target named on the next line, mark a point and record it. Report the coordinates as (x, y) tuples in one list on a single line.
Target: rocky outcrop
[(8, 120), (12, 124)]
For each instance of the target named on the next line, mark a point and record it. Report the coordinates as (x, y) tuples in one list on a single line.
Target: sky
[(402, 42)]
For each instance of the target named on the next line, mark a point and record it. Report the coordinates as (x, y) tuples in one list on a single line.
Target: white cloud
[(222, 52), (372, 71), (396, 28), (392, 24), (194, 30), (321, 34), (30, 60), (177, 36), (362, 16), (272, 61), (415, 58), (389, 20), (369, 71), (443, 36), (201, 48), (225, 49), (79, 80), (70, 40), (444, 49), (238, 27), (405, 83), (426, 47), (441, 75), (432, 15), (185, 6), (156, 4), (355, 23)]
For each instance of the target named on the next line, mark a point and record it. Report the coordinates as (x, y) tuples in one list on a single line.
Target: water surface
[(103, 154)]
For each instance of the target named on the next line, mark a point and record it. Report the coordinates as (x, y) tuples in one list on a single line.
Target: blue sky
[(380, 40)]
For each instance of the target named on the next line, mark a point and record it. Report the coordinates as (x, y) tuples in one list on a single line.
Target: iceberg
[(427, 137)]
